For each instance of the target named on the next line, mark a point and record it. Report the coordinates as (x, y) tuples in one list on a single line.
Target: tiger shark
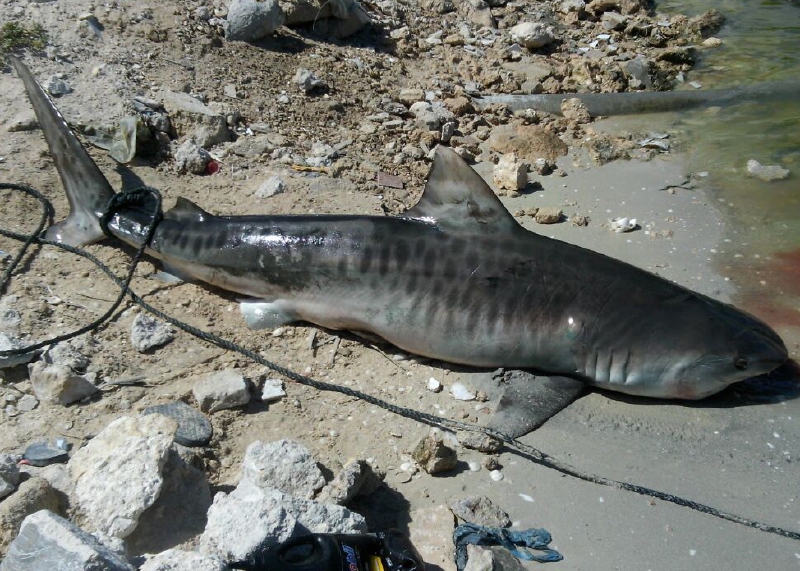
[(454, 278)]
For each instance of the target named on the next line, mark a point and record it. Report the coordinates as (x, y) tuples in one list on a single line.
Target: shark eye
[(740, 363)]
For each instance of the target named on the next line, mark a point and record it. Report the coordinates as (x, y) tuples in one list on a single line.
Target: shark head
[(697, 347)]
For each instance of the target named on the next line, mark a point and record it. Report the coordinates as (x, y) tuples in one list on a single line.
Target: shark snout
[(759, 350)]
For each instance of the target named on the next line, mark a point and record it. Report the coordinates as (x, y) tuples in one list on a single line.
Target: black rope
[(30, 239), (139, 198)]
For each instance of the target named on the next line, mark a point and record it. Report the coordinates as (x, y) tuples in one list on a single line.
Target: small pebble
[(496, 475), (460, 392)]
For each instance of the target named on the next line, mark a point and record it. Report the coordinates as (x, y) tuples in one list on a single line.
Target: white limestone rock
[(246, 519), (284, 464), (180, 560), (272, 390), (308, 81), (767, 173), (191, 158), (431, 115), (221, 390), (47, 541), (180, 510), (431, 532), (251, 20), (270, 187), (58, 384), (510, 173), (117, 474), (147, 332), (191, 117), (10, 342), (532, 35)]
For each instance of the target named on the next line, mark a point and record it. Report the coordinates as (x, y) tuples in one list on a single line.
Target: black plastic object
[(385, 551)]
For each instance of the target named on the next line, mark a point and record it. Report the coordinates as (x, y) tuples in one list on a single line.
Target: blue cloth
[(520, 543)]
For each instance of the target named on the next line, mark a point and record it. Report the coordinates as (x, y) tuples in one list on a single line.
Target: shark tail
[(88, 191)]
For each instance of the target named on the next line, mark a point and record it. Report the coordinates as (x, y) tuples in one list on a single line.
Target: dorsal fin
[(186, 211), (457, 198)]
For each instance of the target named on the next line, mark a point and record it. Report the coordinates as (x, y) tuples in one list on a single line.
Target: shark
[(454, 278)]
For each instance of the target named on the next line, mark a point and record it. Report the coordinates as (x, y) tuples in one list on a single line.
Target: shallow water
[(761, 43)]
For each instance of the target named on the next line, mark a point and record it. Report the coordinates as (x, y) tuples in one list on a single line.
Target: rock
[(67, 354), (355, 477), (251, 20), (221, 390), (613, 21), (24, 121), (431, 532), (430, 116), (459, 106), (479, 441), (47, 541), (9, 472), (191, 158), (434, 385), (434, 456), (448, 130), (567, 6), (332, 18), (33, 494), (510, 173), (5, 488), (548, 215), (640, 70), (480, 510), (56, 86), (284, 464), (529, 142), (323, 518), (766, 173), (8, 343), (10, 317), (27, 403), (461, 392), (478, 12), (247, 519), (252, 517), (179, 512), (180, 560), (479, 559), (678, 55), (532, 35), (193, 428), (148, 332), (254, 146), (117, 474), (707, 23), (58, 476), (270, 187), (190, 117), (308, 81), (272, 391), (57, 384), (410, 96), (575, 111)]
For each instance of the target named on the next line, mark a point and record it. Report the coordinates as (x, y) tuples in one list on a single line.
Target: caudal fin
[(87, 189)]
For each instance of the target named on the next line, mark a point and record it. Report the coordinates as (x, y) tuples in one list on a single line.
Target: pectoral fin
[(529, 400), (265, 314)]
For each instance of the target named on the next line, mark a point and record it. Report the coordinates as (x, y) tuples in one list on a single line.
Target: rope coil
[(139, 197)]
